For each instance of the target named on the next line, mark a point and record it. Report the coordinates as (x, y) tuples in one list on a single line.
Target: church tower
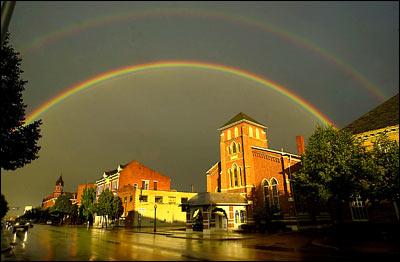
[(237, 136), (59, 187)]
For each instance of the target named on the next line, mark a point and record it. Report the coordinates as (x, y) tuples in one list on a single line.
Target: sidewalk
[(215, 236)]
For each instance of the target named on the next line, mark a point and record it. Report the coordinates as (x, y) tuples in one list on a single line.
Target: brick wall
[(135, 172)]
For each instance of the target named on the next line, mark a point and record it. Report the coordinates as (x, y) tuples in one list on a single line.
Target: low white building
[(214, 211)]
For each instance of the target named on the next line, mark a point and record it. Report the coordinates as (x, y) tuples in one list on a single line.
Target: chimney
[(300, 144)]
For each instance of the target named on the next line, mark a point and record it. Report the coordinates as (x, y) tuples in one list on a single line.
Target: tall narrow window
[(241, 216), (155, 185), (275, 193), (229, 134), (233, 148), (235, 175), (145, 184), (236, 216), (266, 192), (236, 132), (250, 131), (230, 177), (241, 177), (257, 134)]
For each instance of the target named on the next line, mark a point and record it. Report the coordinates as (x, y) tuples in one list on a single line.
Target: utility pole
[(7, 9), (155, 218)]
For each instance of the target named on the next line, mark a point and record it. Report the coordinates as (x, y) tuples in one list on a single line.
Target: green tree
[(62, 207), (3, 206), (335, 168), (18, 141), (117, 208), (104, 205), (386, 181), (88, 204)]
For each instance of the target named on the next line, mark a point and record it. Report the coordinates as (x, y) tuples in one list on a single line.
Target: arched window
[(241, 216), (266, 191), (257, 134), (236, 216), (229, 134), (236, 132), (235, 175), (275, 192), (250, 131), (234, 150)]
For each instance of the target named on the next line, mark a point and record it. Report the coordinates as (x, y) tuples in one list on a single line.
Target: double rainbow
[(287, 36)]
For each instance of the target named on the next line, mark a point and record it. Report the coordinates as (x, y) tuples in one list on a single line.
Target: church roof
[(386, 114), (239, 117), (216, 198)]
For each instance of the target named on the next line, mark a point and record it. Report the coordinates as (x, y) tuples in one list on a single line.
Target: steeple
[(60, 181)]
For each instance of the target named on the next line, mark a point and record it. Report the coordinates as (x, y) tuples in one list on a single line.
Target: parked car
[(49, 222)]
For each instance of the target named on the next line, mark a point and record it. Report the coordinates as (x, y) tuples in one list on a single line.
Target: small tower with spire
[(59, 187)]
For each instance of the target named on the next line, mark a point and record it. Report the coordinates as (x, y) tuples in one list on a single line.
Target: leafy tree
[(386, 181), (335, 168), (88, 204), (18, 141), (104, 205), (117, 208), (3, 206), (62, 207)]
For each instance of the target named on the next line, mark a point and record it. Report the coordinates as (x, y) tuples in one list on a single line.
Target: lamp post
[(155, 217)]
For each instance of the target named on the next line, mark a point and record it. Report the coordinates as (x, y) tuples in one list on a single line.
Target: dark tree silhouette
[(3, 206), (18, 141)]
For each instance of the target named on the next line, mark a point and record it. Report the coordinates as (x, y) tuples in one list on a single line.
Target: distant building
[(252, 171), (140, 189), (27, 208), (382, 119), (50, 200)]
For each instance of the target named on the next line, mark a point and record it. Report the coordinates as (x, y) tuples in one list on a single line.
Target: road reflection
[(49, 243)]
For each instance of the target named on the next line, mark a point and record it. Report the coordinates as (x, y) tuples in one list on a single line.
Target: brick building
[(50, 200), (140, 189), (250, 168)]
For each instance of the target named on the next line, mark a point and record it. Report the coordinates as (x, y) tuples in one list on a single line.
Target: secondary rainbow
[(74, 89), (240, 20)]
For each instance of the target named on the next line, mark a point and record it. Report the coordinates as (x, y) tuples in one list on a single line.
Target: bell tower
[(237, 136), (58, 190)]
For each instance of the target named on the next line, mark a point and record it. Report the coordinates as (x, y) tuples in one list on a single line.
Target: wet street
[(44, 242)]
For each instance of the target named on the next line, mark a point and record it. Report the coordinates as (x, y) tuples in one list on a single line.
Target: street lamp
[(155, 217)]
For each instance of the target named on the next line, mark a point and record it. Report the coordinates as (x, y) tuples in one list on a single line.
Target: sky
[(271, 60)]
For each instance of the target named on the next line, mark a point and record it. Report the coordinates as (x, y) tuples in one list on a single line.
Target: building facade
[(248, 167), (50, 200), (145, 194)]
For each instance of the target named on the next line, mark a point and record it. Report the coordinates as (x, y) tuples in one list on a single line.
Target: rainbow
[(207, 14), (74, 89)]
